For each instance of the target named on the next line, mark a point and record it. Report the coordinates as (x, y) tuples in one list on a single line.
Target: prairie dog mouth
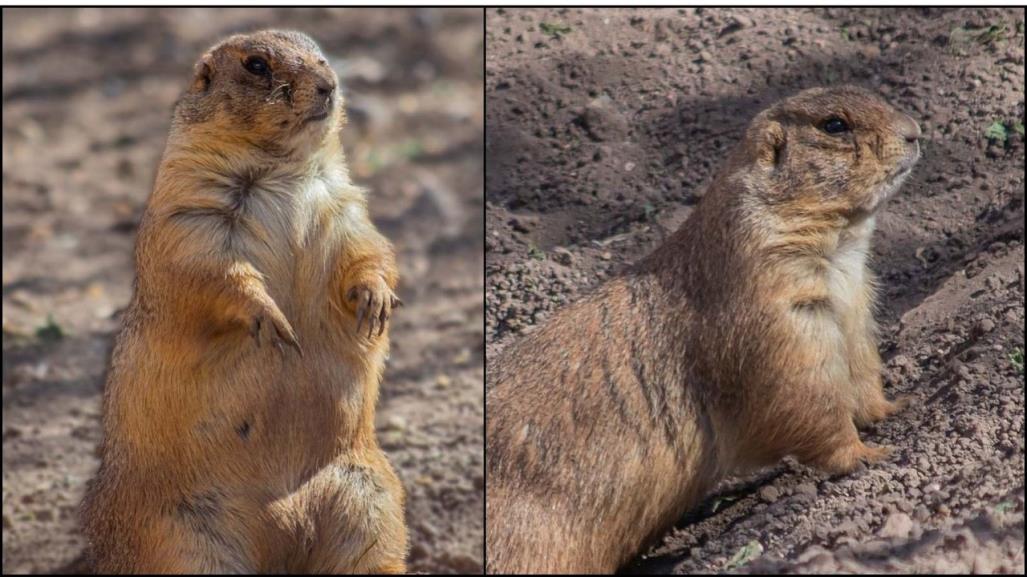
[(911, 159), (315, 117), (904, 168), (892, 182)]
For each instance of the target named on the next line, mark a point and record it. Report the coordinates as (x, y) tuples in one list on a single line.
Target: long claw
[(363, 309), (289, 340), (255, 330), (360, 317)]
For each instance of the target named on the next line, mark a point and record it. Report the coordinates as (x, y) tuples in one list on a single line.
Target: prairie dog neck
[(240, 182), (848, 260), (204, 162)]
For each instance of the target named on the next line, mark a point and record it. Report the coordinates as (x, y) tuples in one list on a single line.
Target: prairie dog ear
[(203, 72), (770, 145)]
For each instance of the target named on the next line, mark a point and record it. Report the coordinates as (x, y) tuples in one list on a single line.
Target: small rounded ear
[(770, 145), (203, 72)]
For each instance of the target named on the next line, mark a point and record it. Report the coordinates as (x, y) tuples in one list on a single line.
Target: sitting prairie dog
[(746, 337), (239, 407)]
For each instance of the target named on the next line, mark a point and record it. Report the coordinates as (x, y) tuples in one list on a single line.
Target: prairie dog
[(746, 337), (239, 407)]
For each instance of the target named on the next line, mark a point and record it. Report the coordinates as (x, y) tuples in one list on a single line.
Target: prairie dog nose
[(909, 129), (325, 86)]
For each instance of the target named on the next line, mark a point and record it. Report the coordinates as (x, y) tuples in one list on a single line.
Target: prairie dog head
[(271, 90), (841, 149)]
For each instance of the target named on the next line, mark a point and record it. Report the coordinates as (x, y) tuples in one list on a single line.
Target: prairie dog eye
[(256, 65), (835, 125)]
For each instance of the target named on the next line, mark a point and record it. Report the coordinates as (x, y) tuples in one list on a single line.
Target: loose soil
[(87, 96), (603, 127)]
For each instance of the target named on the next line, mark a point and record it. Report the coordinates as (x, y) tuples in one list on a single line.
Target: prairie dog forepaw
[(372, 302), (277, 325), (881, 410), (850, 457)]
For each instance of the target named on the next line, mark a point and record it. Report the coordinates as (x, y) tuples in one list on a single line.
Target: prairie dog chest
[(848, 281), (283, 221)]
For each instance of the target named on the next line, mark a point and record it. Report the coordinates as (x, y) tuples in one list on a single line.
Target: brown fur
[(239, 407), (746, 337)]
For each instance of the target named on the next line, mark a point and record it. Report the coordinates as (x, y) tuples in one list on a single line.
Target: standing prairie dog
[(746, 337), (239, 407)]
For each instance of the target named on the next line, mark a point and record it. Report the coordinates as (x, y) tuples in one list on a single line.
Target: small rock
[(603, 121), (985, 326), (563, 256), (519, 225), (395, 423), (769, 494), (808, 489), (898, 525)]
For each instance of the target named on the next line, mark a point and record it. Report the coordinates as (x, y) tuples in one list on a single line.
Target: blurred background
[(87, 96)]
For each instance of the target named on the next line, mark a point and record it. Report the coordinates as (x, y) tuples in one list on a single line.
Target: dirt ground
[(87, 97), (604, 126)]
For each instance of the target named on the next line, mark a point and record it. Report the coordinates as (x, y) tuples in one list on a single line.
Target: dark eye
[(256, 65), (835, 125)]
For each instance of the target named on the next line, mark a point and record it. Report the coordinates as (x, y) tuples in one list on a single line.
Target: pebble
[(986, 326), (808, 489), (769, 494), (395, 423), (898, 525), (563, 256)]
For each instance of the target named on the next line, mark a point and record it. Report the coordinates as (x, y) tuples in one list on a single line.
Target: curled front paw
[(273, 322), (849, 458), (372, 303), (879, 409)]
